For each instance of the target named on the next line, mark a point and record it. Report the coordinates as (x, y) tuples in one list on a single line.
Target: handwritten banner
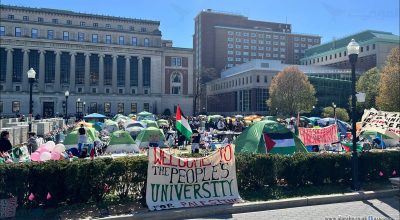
[(387, 123), (174, 182), (317, 136)]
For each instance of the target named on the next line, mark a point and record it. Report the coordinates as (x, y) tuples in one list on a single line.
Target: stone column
[(9, 69), (25, 68), (114, 74), (87, 72), (127, 74), (41, 70), (72, 73), (57, 78), (140, 75), (101, 73)]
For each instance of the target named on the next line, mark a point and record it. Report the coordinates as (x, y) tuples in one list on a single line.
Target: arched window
[(176, 83)]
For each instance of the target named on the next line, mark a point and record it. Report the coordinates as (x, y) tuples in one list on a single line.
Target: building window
[(16, 106), (230, 45), (143, 29), (49, 67), (134, 41), (121, 70), (230, 52), (303, 39), (268, 55), (260, 48), (238, 34), (95, 24), (238, 59), (258, 79), (230, 58), (18, 32), (373, 46), (93, 107), (253, 41), (362, 49), (40, 19), (81, 36), (107, 91), (238, 46), (146, 42), (133, 107), (108, 39), (176, 83), (82, 23), (69, 22), (230, 32), (25, 18), (34, 33), (246, 41), (238, 40), (108, 25), (1, 106), (120, 108), (131, 28), (238, 53), (54, 20), (121, 40), (245, 47), (120, 27), (230, 39), (245, 53), (107, 107), (94, 69), (176, 61), (95, 38), (65, 35), (11, 17), (50, 34), (146, 107), (253, 47), (2, 31)]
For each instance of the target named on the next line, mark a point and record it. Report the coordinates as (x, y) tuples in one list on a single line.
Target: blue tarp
[(94, 115)]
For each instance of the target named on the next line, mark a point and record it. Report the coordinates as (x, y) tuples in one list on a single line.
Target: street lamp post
[(66, 106), (31, 76), (84, 108), (353, 49), (334, 110)]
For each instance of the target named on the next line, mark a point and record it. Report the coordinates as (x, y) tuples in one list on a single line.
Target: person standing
[(195, 142), (32, 143), (5, 144), (82, 137)]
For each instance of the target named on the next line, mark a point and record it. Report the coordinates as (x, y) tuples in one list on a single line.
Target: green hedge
[(81, 181)]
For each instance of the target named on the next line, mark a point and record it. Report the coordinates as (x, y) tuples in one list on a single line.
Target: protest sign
[(174, 182), (317, 136), (387, 123)]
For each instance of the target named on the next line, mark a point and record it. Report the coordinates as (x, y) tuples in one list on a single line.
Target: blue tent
[(95, 115)]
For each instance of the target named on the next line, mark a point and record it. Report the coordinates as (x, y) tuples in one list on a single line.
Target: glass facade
[(108, 69), (261, 99), (49, 67), (80, 68), (34, 61), (3, 64), (94, 69), (134, 71), (17, 65), (331, 90), (121, 70), (65, 60), (146, 71)]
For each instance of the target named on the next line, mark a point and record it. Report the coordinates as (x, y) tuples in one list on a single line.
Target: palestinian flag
[(282, 143), (182, 124)]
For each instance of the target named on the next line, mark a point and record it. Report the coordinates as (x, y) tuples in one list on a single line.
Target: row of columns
[(72, 86)]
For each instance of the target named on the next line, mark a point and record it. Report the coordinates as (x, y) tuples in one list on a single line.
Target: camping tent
[(163, 122), (110, 126), (268, 137), (145, 115), (95, 116), (269, 117), (132, 123), (150, 136), (134, 131), (71, 140), (150, 123), (121, 142)]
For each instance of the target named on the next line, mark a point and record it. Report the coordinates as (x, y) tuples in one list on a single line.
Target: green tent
[(271, 118), (121, 142), (71, 140), (150, 136), (163, 122), (214, 117), (144, 113), (280, 140), (110, 126), (150, 123)]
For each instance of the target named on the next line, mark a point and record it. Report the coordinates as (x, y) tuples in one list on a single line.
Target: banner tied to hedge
[(317, 136), (174, 182), (387, 123)]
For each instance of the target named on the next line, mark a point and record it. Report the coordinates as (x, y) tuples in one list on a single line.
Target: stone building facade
[(108, 64)]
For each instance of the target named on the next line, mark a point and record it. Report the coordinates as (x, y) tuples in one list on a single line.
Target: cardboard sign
[(318, 136), (174, 182), (8, 207)]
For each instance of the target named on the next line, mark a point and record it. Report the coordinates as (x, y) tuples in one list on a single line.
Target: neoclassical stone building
[(108, 64)]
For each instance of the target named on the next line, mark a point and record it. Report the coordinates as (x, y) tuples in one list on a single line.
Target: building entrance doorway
[(48, 109)]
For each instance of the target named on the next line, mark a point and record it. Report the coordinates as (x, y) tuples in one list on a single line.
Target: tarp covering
[(150, 123), (149, 136), (252, 139)]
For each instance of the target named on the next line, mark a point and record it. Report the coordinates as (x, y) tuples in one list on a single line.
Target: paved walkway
[(375, 209)]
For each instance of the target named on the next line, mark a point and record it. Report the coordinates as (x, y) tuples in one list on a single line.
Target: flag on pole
[(182, 124)]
